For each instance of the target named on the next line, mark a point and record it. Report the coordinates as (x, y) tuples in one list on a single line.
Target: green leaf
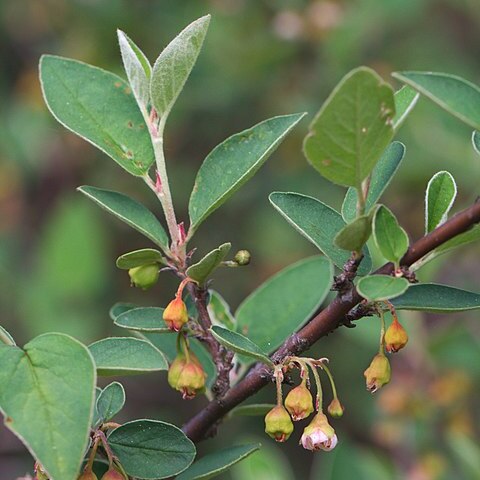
[(174, 65), (464, 238), (99, 107), (431, 297), (219, 311), (111, 401), (284, 302), (405, 99), (476, 141), (240, 344), (138, 70), (6, 338), (439, 198), (381, 177), (218, 462), (454, 94), (381, 287), (352, 129), (143, 319), (208, 264), (120, 308), (354, 235), (96, 419), (129, 211), (46, 395), (232, 163), (126, 356), (252, 410), (149, 449), (390, 237), (317, 222), (137, 258)]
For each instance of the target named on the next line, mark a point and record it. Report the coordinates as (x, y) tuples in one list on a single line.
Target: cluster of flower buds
[(394, 339), (186, 373), (299, 404), (145, 276)]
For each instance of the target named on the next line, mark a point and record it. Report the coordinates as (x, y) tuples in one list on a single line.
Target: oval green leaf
[(431, 297), (405, 99), (129, 211), (376, 288), (143, 319), (346, 151), (454, 94), (232, 163), (439, 198), (319, 223), (137, 258), (120, 308), (174, 65), (208, 264), (99, 107), (381, 177), (126, 356), (285, 302), (53, 414), (149, 449), (390, 238), (138, 70), (110, 401), (218, 462), (240, 344), (354, 235)]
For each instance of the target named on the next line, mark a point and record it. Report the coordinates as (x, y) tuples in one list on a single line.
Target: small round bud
[(176, 315), (378, 373), (335, 409), (299, 402), (87, 475), (242, 257), (319, 435), (395, 337), (278, 424), (113, 474), (187, 375), (145, 276)]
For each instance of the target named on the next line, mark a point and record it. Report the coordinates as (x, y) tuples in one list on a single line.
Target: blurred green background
[(261, 58)]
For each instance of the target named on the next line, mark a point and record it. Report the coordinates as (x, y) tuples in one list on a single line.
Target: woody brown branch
[(322, 324)]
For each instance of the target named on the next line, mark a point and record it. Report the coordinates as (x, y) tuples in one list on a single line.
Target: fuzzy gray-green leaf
[(143, 319), (376, 288), (405, 99), (207, 265), (137, 258), (354, 235), (110, 401), (439, 198)]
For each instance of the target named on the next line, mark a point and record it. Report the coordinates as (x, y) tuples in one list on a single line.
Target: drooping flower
[(319, 435), (378, 373), (187, 375), (299, 402), (335, 409), (396, 337), (176, 315), (278, 424)]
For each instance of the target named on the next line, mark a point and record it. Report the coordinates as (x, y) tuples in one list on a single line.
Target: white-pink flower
[(319, 435)]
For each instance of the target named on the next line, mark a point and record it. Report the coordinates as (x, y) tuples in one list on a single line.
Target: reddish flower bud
[(187, 375), (176, 315), (395, 337), (378, 373), (278, 424), (299, 402), (335, 409), (319, 435), (87, 475), (113, 474), (145, 276)]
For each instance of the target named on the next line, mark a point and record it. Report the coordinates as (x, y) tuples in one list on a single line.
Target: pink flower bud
[(278, 424), (176, 315), (299, 402), (319, 435)]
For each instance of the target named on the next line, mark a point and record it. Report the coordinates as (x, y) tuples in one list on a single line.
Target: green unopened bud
[(176, 315), (113, 474), (299, 402), (278, 424), (319, 435), (145, 276), (395, 337), (335, 409), (87, 475), (187, 375), (242, 257), (378, 373)]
